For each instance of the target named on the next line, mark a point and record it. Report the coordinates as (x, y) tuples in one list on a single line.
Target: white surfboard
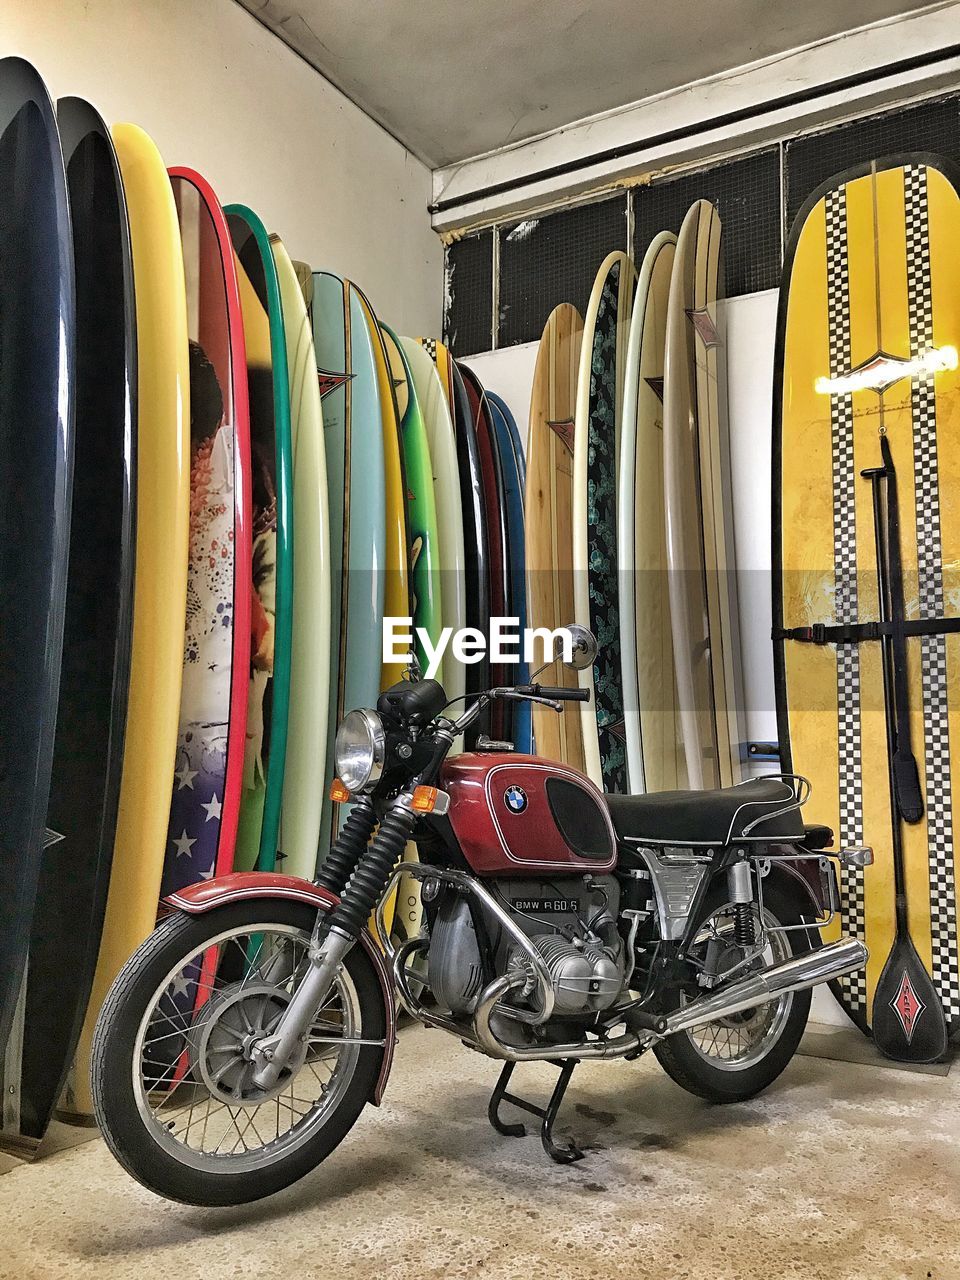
[(654, 744)]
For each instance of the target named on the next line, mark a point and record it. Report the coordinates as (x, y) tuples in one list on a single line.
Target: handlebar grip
[(563, 695)]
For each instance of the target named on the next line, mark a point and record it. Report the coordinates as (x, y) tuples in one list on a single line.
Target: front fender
[(205, 896)]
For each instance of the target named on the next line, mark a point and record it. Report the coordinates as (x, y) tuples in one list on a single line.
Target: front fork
[(369, 874)]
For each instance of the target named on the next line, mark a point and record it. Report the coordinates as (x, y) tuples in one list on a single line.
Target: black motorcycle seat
[(710, 817)]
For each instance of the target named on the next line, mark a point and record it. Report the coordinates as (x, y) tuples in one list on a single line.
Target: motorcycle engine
[(571, 923)]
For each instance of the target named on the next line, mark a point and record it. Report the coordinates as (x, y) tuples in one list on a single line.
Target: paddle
[(906, 774), (908, 1021)]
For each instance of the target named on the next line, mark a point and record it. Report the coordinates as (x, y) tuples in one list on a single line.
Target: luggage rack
[(802, 789)]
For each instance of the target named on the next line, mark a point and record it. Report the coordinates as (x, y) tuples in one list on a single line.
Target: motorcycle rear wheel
[(734, 1059), (177, 1107)]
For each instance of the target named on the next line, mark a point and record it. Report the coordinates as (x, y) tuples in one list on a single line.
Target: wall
[(218, 92)]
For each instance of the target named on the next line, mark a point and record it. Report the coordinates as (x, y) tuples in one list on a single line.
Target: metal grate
[(814, 158), (554, 258), (747, 193), (468, 294)]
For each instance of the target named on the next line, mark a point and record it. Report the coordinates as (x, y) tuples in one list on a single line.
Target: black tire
[(127, 1134), (685, 1065)]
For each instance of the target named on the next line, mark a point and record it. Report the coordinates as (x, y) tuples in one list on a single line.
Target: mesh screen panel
[(468, 294), (814, 158), (551, 259), (746, 190)]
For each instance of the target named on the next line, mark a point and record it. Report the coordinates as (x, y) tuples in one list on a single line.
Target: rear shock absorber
[(348, 848), (369, 879), (740, 886)]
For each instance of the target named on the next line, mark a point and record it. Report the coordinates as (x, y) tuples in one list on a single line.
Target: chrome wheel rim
[(741, 1040), (191, 1061)]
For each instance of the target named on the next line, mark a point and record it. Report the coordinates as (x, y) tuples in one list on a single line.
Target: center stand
[(563, 1153)]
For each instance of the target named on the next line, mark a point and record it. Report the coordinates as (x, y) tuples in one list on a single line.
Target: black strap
[(855, 632), (909, 797)]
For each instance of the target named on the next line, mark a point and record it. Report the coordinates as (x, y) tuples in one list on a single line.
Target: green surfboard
[(422, 507), (272, 458)]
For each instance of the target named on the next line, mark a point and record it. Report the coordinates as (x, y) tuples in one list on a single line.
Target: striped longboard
[(870, 306)]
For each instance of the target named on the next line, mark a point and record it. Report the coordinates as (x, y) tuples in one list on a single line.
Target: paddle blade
[(907, 778), (908, 1022)]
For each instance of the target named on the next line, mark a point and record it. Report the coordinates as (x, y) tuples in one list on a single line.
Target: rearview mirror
[(585, 647)]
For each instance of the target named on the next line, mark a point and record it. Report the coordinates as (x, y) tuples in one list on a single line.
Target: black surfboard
[(94, 678), (476, 557), (36, 433), (495, 506)]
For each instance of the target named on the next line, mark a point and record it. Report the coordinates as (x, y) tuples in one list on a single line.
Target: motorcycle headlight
[(360, 750)]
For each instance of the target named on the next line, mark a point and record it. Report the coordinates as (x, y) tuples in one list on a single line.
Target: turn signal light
[(338, 792), (424, 799)]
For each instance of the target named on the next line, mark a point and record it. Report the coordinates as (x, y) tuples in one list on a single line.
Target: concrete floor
[(839, 1171)]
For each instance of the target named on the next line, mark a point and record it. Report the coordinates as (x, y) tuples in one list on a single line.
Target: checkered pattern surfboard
[(850, 780), (936, 719), (872, 282)]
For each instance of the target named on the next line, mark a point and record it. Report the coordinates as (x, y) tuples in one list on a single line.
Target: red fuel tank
[(515, 814)]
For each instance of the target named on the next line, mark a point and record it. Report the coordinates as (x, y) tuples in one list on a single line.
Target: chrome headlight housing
[(360, 750)]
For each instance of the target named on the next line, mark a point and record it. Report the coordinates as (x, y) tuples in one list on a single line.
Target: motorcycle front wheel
[(734, 1058), (172, 1073)]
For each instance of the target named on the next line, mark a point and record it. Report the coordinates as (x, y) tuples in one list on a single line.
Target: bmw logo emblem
[(515, 798)]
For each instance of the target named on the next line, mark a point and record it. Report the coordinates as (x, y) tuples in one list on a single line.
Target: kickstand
[(563, 1153)]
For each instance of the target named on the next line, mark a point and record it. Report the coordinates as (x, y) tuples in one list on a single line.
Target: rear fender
[(197, 899), (812, 882)]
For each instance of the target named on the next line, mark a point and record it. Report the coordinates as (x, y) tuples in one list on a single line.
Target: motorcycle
[(242, 1040)]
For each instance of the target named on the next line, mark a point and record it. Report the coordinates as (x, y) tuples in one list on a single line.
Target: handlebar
[(547, 695), (558, 694)]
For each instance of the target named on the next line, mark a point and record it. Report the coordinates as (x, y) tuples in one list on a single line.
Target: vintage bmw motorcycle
[(243, 1039)]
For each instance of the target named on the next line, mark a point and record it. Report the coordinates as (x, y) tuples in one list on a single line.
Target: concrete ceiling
[(455, 78)]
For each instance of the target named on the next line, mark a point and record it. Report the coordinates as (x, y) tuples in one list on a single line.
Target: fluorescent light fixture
[(882, 371)]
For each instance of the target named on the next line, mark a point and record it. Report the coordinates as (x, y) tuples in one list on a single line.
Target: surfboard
[(548, 510), (88, 748), (425, 561), (396, 588), (514, 430), (495, 519), (353, 442), (37, 394), (441, 440), (160, 574), (699, 509), (512, 468), (207, 787), (476, 552), (271, 450), (655, 759), (599, 407), (303, 791), (868, 327)]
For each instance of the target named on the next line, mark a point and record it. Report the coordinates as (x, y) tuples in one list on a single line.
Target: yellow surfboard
[(163, 505), (867, 343)]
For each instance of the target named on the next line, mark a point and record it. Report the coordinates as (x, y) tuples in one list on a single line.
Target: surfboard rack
[(761, 751)]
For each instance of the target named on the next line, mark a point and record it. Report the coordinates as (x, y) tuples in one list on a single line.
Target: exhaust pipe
[(797, 974)]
